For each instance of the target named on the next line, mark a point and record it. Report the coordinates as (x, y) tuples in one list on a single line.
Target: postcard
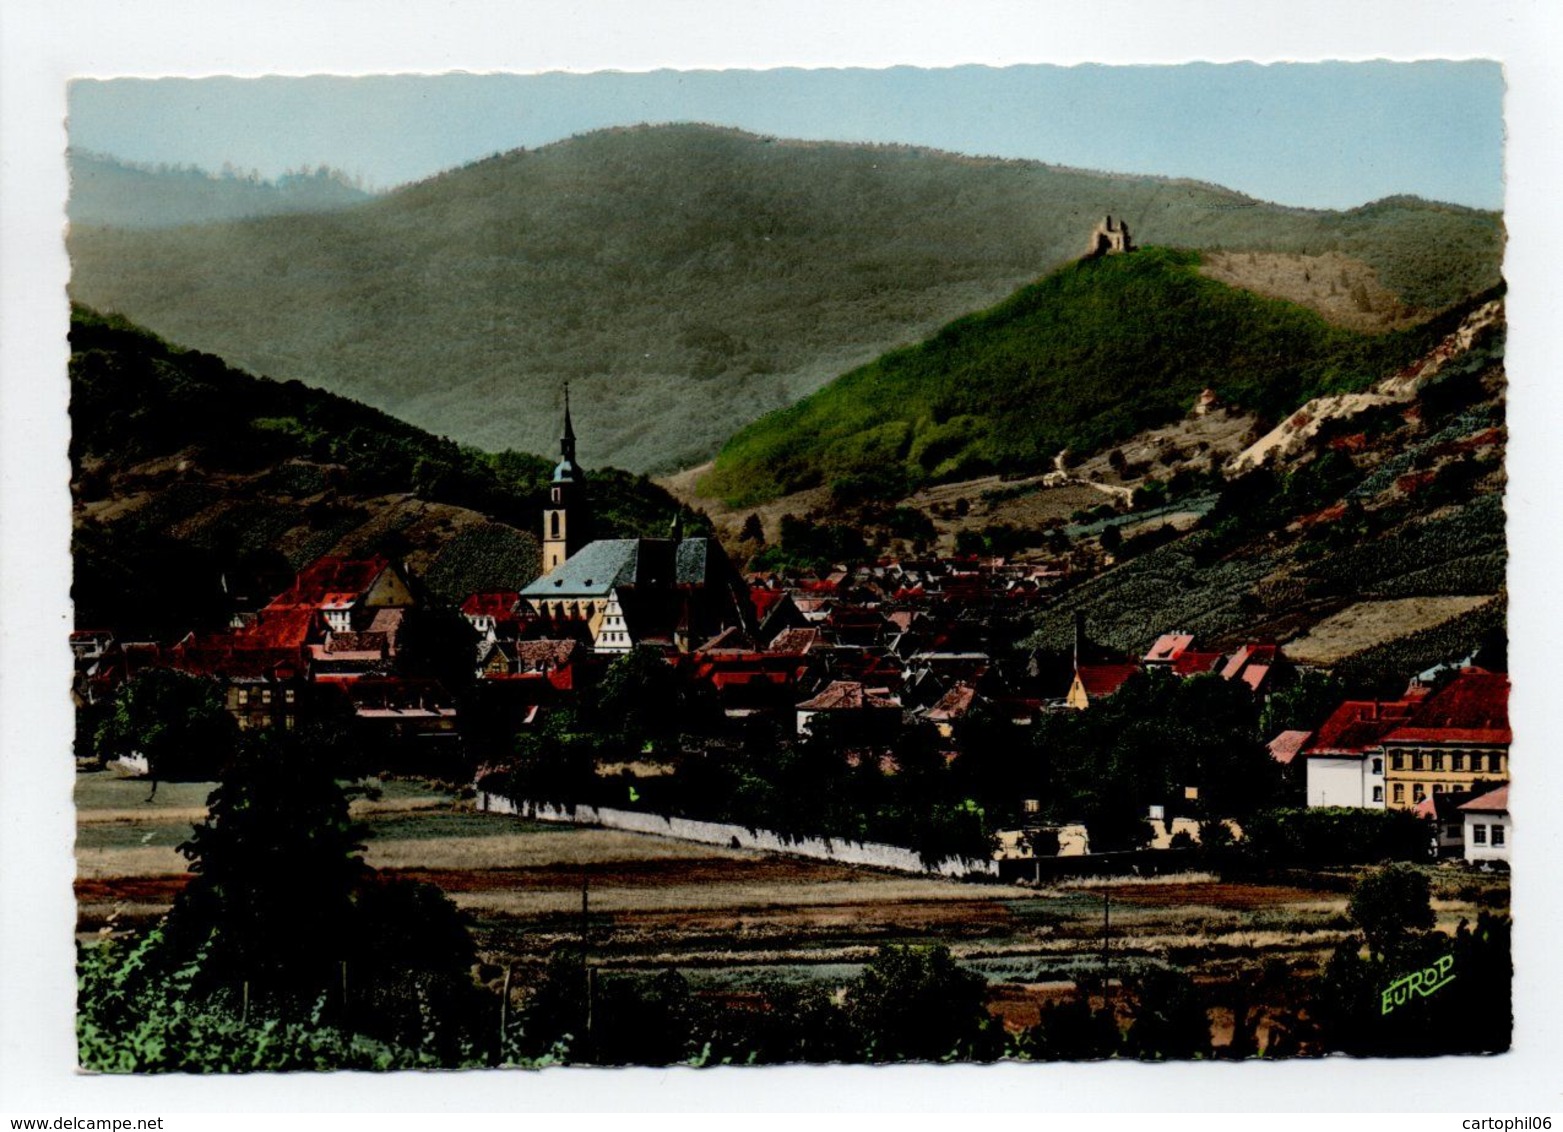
[(760, 567)]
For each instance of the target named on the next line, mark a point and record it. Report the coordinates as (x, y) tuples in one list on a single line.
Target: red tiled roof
[(1493, 802), (331, 575), (1104, 679), (1191, 663), (1249, 654), (764, 600), (954, 704), (847, 695), (1284, 747), (498, 604), (1357, 725), (1474, 708), (1169, 646)]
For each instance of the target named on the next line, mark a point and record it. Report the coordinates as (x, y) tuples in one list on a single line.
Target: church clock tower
[(564, 519)]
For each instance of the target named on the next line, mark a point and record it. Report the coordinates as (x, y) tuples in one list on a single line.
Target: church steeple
[(567, 441), (564, 520)]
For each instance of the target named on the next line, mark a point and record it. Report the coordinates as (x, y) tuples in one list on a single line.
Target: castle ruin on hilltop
[(1109, 239)]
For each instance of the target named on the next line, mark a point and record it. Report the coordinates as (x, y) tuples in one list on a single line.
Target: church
[(613, 594)]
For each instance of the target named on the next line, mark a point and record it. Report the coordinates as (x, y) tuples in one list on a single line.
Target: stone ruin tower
[(1109, 239)]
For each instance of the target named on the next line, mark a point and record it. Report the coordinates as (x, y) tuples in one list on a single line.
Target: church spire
[(567, 441)]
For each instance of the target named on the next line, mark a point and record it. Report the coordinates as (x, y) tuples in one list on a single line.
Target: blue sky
[(1326, 135)]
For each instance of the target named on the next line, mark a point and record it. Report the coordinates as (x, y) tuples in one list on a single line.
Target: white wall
[(735, 836), (1343, 782), (1487, 851)]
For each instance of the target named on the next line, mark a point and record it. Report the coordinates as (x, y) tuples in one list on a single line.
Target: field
[(734, 919)]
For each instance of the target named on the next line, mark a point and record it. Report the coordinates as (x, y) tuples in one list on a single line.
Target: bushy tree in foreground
[(285, 950)]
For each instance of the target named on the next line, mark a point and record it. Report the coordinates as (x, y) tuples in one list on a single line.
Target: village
[(860, 657)]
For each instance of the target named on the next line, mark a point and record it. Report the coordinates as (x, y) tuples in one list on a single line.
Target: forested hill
[(122, 194), (685, 279), (1086, 357), (186, 472)]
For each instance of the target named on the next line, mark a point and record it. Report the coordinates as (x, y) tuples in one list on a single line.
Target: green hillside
[(121, 194), (685, 279), (186, 472), (1090, 355)]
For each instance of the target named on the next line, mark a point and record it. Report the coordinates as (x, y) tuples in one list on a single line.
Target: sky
[(1320, 135)]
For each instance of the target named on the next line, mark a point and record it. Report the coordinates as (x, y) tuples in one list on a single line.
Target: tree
[(638, 695), (1170, 1022), (284, 934), (752, 530), (917, 1004), (1072, 1031), (275, 864), (177, 721), (1392, 906)]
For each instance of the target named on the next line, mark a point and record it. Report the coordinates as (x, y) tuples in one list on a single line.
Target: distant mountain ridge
[(685, 279), (109, 192)]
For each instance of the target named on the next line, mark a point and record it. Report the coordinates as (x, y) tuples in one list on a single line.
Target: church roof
[(600, 567)]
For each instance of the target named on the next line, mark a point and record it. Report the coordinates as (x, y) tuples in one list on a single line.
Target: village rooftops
[(849, 695), (498, 604), (334, 578)]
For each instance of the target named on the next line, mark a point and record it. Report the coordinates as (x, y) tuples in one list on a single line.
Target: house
[(492, 613), (1489, 830), (1345, 761), (346, 592), (954, 706), (1457, 737), (851, 707), (1254, 665), (1097, 681), (1445, 822)]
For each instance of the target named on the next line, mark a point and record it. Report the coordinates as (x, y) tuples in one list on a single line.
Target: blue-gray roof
[(599, 567)]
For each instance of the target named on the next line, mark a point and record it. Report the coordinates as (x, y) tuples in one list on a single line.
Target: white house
[(1488, 828), (1345, 758)]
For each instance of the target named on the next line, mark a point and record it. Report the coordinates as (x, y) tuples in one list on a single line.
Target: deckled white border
[(45, 42)]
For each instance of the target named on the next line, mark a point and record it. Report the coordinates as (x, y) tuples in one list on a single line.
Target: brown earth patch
[(1238, 897)]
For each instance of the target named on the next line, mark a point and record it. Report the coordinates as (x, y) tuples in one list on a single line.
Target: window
[(1497, 834), (289, 695), (1378, 793), (1453, 832), (1438, 761), (1478, 835), (1495, 763), (1398, 762), (1457, 761), (1378, 766), (558, 495), (1416, 761), (243, 696), (1400, 792), (265, 695), (553, 519), (1418, 792)]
